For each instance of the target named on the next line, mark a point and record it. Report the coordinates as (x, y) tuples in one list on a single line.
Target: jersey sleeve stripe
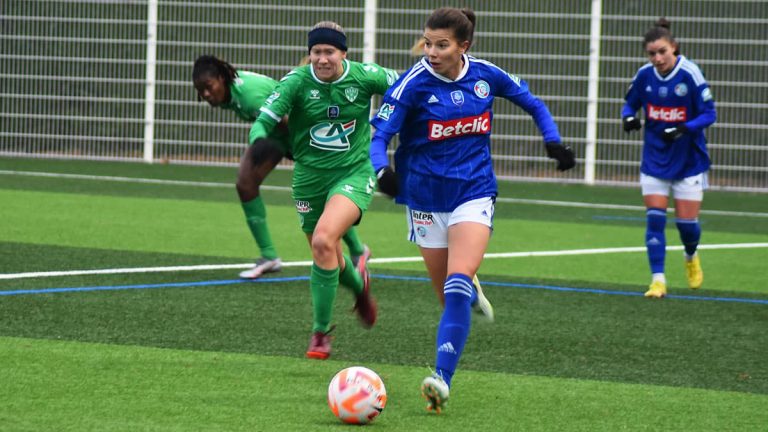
[(695, 72), (398, 91), (270, 113), (485, 62)]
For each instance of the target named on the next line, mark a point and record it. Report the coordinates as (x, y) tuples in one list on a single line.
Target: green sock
[(256, 217), (323, 284), (350, 278), (353, 242)]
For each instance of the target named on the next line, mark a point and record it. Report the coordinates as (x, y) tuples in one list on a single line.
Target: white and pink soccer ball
[(357, 395)]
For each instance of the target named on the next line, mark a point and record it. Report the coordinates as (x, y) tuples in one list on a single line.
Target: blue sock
[(655, 242), (473, 299), (690, 233), (454, 325)]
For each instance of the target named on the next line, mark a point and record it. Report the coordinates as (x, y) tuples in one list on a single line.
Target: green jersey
[(249, 90), (328, 125)]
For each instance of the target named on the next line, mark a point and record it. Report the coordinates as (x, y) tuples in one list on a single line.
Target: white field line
[(374, 261), (287, 189)]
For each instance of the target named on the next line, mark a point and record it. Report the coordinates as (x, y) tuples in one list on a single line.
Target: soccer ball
[(357, 395)]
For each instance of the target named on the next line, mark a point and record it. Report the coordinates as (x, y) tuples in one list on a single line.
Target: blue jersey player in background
[(678, 106), (442, 109)]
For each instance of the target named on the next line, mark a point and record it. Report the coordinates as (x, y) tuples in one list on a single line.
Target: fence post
[(593, 92), (369, 31), (149, 97)]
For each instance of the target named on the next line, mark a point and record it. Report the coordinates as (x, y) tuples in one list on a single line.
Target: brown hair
[(660, 30), (461, 21)]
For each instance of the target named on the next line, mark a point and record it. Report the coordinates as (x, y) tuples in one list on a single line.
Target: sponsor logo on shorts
[(472, 125), (303, 206), (422, 218), (667, 114)]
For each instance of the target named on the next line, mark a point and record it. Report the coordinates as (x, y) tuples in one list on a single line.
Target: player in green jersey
[(242, 92), (329, 102)]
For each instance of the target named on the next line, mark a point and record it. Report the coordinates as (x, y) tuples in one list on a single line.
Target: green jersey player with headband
[(242, 92), (329, 101)]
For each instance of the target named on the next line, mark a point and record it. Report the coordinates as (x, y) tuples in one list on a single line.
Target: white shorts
[(689, 188), (430, 229)]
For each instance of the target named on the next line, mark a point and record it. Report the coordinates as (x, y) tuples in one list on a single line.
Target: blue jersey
[(444, 157), (682, 96)]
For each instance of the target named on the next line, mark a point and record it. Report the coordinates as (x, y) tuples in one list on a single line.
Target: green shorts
[(358, 186)]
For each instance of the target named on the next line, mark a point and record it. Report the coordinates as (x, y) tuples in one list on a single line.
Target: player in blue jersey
[(442, 109), (678, 106)]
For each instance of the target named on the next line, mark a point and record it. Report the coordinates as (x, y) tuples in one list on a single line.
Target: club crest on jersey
[(681, 89), (331, 136), (351, 93), (457, 97), (385, 111), (482, 89), (333, 111), (663, 91)]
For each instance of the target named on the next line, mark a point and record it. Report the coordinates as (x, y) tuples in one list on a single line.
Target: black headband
[(323, 35)]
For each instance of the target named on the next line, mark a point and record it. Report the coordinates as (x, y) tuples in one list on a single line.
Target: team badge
[(333, 111), (663, 91), (457, 97), (421, 231), (681, 89), (351, 93), (482, 89), (314, 94)]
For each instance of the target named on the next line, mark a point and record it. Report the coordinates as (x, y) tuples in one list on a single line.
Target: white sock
[(659, 277)]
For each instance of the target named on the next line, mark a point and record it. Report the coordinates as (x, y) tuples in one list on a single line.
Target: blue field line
[(151, 286), (376, 276), (589, 290)]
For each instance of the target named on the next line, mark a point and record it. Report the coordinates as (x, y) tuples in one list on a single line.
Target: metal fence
[(110, 79)]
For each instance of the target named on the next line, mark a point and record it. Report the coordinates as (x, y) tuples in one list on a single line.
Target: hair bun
[(663, 22)]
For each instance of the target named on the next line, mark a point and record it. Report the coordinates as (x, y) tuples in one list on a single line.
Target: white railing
[(110, 80)]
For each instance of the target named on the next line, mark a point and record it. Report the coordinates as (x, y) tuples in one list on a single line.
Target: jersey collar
[(344, 64), (669, 76), (462, 74)]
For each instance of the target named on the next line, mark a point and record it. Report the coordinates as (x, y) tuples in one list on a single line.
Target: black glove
[(673, 133), (562, 153), (388, 183), (631, 123)]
